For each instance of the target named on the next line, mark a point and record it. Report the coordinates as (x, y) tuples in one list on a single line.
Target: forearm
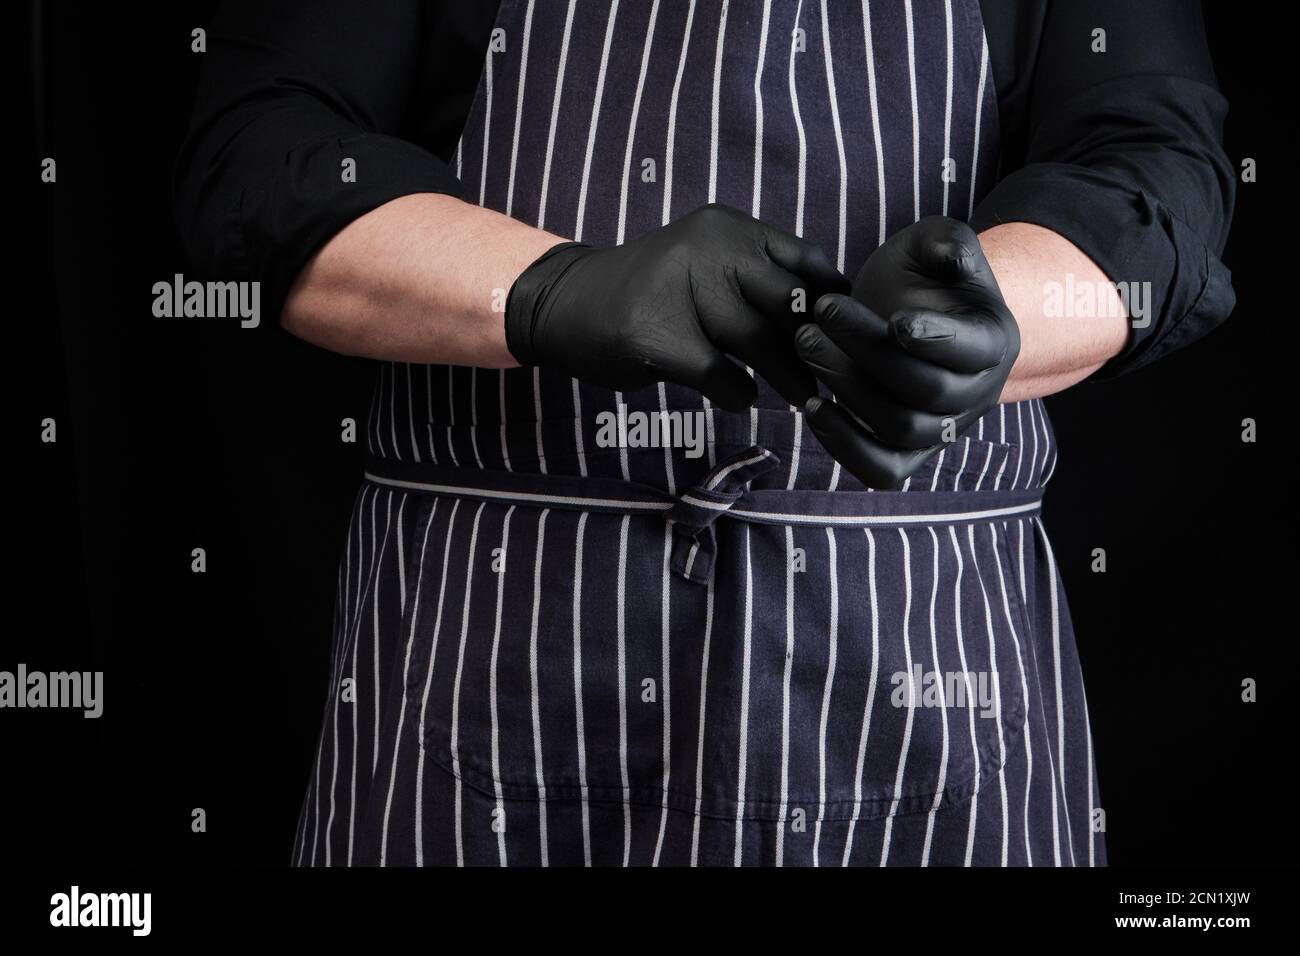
[(1033, 267), (420, 279)]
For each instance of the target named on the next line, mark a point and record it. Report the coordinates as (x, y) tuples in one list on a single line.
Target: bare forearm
[(1033, 265), (420, 279)]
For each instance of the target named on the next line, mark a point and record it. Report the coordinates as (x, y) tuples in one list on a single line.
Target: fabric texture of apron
[(551, 648)]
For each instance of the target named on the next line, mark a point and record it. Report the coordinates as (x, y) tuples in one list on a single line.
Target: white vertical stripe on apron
[(875, 120), (406, 668), (870, 697), (1033, 454), (1027, 733), (907, 729), (947, 102), (1092, 831), (555, 115), (995, 679), (832, 653), (1051, 761), (756, 209), (595, 120), (1048, 444), (665, 688), (428, 397), (627, 172), (839, 136), (535, 691), (510, 206), (473, 415), (956, 478), (916, 115), (501, 821), (844, 176), (388, 524), (744, 695), (336, 690), (713, 191), (541, 212), (505, 447), (428, 681), (356, 679), (669, 151), (455, 693), (988, 460), (943, 751), (1056, 676), (800, 194), (392, 408), (1020, 457), (577, 688), (451, 413), (627, 176), (757, 205), (699, 746), (519, 112), (672, 116), (961, 655), (631, 136), (717, 89), (487, 123), (979, 114), (785, 692), (622, 687)]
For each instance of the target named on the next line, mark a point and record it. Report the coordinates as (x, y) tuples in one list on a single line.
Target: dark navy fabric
[(552, 652)]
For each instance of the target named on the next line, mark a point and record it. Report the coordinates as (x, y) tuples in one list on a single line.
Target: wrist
[(529, 296)]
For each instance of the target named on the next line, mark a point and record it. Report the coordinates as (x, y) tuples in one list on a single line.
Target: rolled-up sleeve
[(292, 96), (1123, 156)]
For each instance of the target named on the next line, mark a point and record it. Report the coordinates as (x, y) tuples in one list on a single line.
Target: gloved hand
[(924, 344), (668, 305)]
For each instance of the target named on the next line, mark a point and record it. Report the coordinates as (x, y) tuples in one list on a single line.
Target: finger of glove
[(805, 259), (696, 363), (946, 249), (965, 342), (894, 423), (874, 463), (911, 381), (740, 329), (854, 326), (770, 351), (776, 292)]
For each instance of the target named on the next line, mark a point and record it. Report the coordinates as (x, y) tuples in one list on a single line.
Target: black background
[(176, 434)]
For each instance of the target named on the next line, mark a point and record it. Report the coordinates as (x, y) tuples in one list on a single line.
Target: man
[(835, 637)]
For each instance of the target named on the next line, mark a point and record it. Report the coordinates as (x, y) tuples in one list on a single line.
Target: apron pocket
[(843, 673)]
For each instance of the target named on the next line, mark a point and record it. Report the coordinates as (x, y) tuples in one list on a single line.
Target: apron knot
[(694, 511)]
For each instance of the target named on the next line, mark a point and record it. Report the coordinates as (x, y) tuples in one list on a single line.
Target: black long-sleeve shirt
[(1119, 152)]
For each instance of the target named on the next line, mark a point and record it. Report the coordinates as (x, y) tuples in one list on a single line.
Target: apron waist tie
[(723, 492)]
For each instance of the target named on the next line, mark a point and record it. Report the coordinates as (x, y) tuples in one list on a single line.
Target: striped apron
[(551, 648)]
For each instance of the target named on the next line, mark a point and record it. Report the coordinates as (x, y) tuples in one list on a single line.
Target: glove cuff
[(528, 295)]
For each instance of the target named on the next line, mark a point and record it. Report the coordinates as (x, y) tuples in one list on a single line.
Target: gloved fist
[(920, 351), (671, 305)]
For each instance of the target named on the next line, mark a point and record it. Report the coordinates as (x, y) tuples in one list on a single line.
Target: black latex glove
[(919, 352), (668, 305)]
